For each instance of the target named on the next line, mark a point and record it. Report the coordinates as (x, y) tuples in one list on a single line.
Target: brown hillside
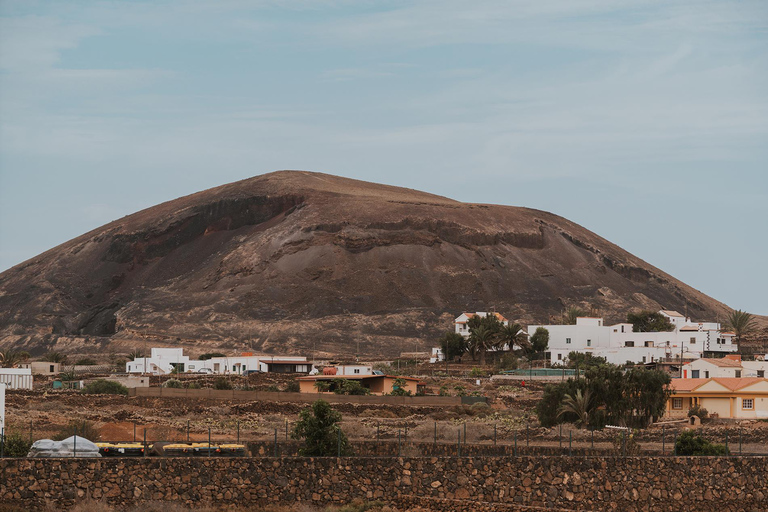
[(297, 261)]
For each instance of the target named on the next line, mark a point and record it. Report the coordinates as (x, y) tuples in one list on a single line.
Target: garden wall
[(448, 483)]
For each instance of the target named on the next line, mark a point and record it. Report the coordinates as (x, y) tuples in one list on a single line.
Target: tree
[(210, 355), (649, 321), (540, 340), (12, 358), (135, 354), (399, 388), (453, 345), (571, 314), (319, 428), (55, 357), (322, 386), (512, 335), (740, 322), (578, 404), (349, 387), (584, 360), (481, 339)]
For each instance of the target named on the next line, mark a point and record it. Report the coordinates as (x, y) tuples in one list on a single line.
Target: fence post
[(515, 452), (2, 442)]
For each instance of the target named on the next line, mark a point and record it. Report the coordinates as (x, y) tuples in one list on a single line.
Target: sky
[(645, 121)]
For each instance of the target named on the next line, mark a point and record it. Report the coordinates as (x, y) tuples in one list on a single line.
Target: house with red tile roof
[(728, 397)]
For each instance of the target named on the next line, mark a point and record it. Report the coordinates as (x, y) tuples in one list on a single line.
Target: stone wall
[(448, 483)]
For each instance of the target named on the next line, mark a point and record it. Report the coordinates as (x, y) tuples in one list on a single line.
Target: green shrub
[(349, 387), (194, 385), (476, 373), (173, 383), (86, 361), (16, 444), (689, 443), (508, 361), (293, 387), (319, 428), (221, 383), (105, 387)]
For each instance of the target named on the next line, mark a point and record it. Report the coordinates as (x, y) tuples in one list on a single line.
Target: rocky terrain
[(299, 262)]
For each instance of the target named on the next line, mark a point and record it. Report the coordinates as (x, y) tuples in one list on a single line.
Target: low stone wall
[(280, 396), (446, 483)]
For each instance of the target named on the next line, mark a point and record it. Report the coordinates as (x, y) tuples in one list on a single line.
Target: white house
[(462, 319), (162, 361), (618, 344), (730, 366), (354, 369)]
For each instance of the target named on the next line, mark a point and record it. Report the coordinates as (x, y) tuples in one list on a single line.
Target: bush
[(508, 361), (349, 387), (699, 411), (221, 383), (210, 355), (173, 383), (476, 373), (319, 428), (105, 387), (83, 428), (293, 387), (193, 385), (689, 443), (86, 361), (16, 445)]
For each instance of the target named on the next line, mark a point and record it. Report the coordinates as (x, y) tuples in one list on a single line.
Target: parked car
[(205, 370)]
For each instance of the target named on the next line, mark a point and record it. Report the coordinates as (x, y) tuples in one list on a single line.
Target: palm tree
[(512, 334), (135, 354), (571, 314), (55, 357), (481, 339), (11, 358), (579, 404), (741, 323)]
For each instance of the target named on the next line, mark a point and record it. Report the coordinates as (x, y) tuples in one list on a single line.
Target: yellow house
[(378, 384), (743, 398)]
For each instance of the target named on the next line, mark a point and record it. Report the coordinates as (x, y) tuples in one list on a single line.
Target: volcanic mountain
[(300, 262)]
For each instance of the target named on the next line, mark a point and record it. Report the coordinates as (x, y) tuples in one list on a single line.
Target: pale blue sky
[(645, 121)]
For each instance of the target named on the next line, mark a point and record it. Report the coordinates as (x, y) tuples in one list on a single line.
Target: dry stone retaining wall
[(445, 483)]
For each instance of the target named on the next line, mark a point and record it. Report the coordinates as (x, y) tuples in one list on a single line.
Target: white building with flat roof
[(163, 361), (619, 344)]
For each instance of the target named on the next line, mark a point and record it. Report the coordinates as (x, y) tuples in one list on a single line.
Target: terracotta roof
[(470, 315), (722, 362), (734, 384), (689, 328), (671, 313), (686, 384)]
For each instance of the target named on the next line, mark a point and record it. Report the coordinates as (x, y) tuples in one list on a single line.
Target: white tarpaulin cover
[(65, 448)]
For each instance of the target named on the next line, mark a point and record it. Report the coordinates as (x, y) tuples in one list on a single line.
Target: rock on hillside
[(300, 262)]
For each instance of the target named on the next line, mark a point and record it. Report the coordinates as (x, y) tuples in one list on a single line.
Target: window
[(589, 343), (747, 403), (357, 370), (738, 374), (51, 370), (559, 357), (644, 359), (694, 374), (706, 374), (567, 341), (677, 403), (761, 374), (693, 340), (629, 343), (648, 343), (622, 328)]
